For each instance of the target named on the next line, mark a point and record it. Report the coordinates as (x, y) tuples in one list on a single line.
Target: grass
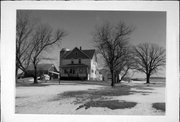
[(111, 104), (159, 106)]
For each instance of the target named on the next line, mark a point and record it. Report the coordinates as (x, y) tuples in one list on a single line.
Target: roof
[(75, 65), (90, 53), (41, 67), (84, 54)]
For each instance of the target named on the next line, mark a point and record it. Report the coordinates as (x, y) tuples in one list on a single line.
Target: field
[(91, 97)]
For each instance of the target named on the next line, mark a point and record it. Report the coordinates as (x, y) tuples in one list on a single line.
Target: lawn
[(85, 97)]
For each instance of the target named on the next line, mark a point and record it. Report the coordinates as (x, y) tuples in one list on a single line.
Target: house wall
[(76, 61), (93, 70), (78, 72)]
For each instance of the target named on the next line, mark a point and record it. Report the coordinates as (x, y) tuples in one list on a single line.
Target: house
[(78, 64), (42, 69)]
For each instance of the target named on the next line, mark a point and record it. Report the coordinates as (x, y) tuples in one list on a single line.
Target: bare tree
[(125, 65), (148, 59), (43, 38), (24, 30), (32, 40), (112, 42)]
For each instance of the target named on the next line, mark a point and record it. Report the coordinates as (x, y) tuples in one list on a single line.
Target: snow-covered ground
[(39, 100)]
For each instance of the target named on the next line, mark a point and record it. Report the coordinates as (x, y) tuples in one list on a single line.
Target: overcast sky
[(149, 27)]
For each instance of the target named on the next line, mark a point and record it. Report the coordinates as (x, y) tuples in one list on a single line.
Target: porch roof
[(74, 65)]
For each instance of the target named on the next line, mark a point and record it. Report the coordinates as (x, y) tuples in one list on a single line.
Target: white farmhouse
[(78, 64)]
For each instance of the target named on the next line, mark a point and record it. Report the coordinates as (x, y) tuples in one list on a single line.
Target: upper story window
[(70, 71), (65, 71), (72, 62), (79, 61), (76, 54)]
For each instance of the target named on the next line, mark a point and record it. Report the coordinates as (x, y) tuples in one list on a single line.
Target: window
[(76, 55), (65, 71), (73, 71), (70, 70), (80, 70), (92, 70), (72, 62), (79, 61)]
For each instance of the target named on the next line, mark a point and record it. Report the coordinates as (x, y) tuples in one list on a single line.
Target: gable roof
[(90, 53), (42, 67), (84, 54)]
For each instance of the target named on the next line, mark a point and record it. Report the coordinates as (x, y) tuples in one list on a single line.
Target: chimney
[(80, 48), (62, 52)]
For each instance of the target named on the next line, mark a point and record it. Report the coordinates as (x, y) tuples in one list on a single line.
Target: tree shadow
[(21, 84), (159, 106), (22, 97), (143, 88), (89, 82), (97, 94), (111, 104), (25, 83)]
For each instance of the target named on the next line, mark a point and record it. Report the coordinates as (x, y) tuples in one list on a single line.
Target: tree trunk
[(16, 73), (112, 76), (35, 74), (117, 78), (147, 78), (112, 82)]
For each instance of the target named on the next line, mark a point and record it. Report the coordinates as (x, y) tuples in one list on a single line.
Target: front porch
[(74, 72)]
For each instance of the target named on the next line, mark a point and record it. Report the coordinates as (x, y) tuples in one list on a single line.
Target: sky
[(79, 25)]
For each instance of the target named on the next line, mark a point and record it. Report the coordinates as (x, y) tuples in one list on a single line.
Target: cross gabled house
[(78, 64)]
